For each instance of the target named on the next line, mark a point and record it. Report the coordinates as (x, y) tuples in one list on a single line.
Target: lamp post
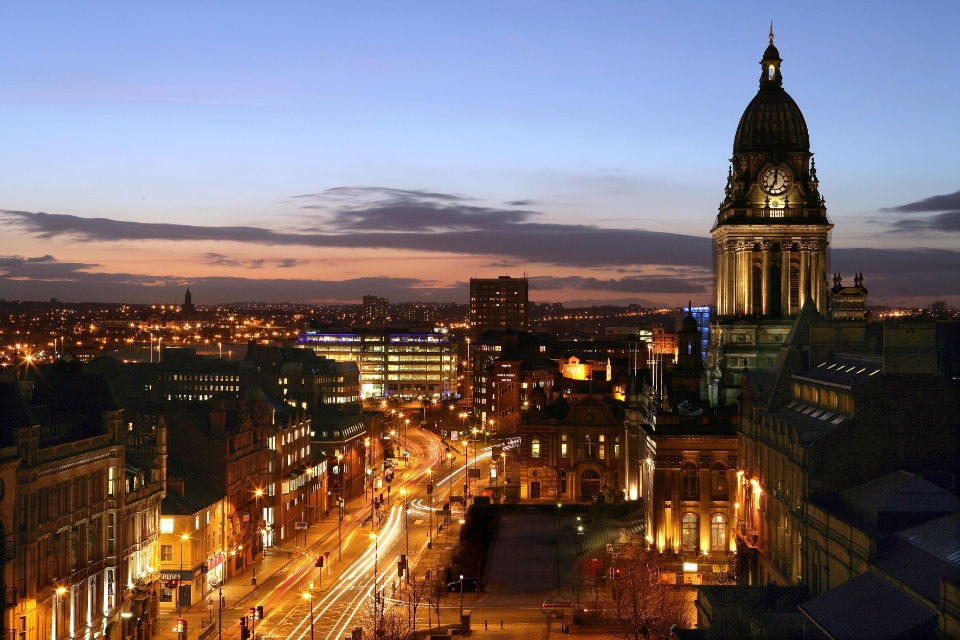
[(339, 529), (429, 495), (366, 462), (180, 577), (406, 423), (309, 595), (406, 526), (376, 552), (461, 569)]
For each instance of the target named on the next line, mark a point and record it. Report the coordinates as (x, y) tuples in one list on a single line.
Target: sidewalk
[(239, 593)]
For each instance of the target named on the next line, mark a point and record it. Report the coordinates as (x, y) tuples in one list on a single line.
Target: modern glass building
[(392, 363)]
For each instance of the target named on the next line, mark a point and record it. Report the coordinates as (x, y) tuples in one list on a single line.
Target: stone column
[(805, 246), (731, 283), (785, 277), (744, 255), (765, 247), (816, 283), (721, 277)]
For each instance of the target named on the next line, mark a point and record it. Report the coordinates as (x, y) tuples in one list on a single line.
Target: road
[(341, 600)]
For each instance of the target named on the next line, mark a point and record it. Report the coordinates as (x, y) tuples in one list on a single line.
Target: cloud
[(472, 231), (948, 202), (218, 259), (630, 284), (949, 221), (947, 208), (43, 278)]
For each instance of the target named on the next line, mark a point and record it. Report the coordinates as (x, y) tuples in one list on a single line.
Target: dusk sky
[(320, 151)]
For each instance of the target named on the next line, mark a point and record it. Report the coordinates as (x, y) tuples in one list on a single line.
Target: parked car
[(556, 607), (469, 584)]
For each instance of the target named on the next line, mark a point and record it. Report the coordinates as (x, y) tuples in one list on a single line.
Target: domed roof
[(772, 121), (255, 394)]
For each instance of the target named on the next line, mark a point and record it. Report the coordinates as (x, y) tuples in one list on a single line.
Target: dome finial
[(771, 33)]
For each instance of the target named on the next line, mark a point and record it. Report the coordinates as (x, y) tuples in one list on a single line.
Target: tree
[(644, 605), (380, 620), (415, 594), (434, 591)]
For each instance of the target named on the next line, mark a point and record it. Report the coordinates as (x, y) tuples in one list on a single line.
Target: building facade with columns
[(770, 237)]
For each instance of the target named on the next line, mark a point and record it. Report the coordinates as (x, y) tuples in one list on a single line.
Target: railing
[(208, 632)]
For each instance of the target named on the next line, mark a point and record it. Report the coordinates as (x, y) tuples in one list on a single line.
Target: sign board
[(301, 525), (454, 435), (406, 453), (493, 471), (475, 473)]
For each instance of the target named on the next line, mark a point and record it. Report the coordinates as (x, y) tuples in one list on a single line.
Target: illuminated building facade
[(575, 457), (392, 362), (770, 237), (84, 559), (498, 304)]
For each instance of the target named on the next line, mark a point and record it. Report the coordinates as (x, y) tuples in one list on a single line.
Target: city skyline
[(318, 154)]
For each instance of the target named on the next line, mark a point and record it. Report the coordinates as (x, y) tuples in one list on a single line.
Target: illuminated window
[(690, 487), (718, 481), (689, 525), (535, 448), (166, 525), (718, 532)]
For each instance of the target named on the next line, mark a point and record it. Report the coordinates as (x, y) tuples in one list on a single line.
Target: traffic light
[(244, 632), (181, 625), (259, 612), (400, 569), (319, 562)]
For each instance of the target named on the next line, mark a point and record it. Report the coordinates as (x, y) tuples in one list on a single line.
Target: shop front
[(214, 574)]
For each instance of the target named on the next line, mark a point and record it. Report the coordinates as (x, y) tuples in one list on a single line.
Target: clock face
[(775, 180)]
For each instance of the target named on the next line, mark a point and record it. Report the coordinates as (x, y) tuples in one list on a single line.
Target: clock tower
[(770, 236)]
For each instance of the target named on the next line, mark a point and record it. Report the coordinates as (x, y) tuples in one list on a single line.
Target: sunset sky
[(320, 151)]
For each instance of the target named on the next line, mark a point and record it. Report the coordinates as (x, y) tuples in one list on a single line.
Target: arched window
[(535, 448), (718, 532), (718, 482), (689, 536), (690, 488)]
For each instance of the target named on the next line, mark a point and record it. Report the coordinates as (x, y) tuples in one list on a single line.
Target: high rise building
[(770, 236), (498, 304), (375, 308)]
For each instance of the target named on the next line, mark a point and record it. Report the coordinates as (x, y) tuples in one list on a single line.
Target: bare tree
[(434, 590), (414, 594), (381, 621), (644, 605)]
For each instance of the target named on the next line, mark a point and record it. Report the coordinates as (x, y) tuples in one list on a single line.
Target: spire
[(771, 64)]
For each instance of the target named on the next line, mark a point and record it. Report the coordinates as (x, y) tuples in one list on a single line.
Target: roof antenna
[(771, 33)]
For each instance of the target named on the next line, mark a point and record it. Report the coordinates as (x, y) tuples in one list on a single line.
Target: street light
[(406, 526), (461, 568), (376, 552), (180, 577), (406, 423), (309, 595), (429, 495)]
